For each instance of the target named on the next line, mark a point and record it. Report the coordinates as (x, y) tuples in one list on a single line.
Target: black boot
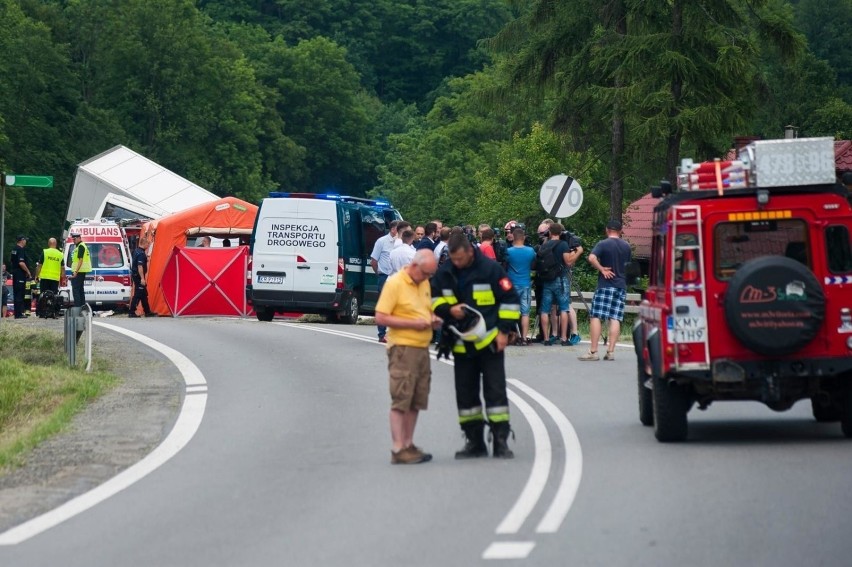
[(500, 440), (474, 445)]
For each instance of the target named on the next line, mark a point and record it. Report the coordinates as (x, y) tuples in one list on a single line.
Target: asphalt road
[(290, 466)]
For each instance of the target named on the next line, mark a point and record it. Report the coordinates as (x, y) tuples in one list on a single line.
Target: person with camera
[(520, 260), (473, 295), (553, 261)]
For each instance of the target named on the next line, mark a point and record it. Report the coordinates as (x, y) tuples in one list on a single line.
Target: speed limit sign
[(561, 196)]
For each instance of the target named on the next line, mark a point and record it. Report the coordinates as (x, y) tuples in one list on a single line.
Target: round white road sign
[(561, 196)]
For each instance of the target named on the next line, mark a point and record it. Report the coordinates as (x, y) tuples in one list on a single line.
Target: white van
[(108, 284), (310, 253)]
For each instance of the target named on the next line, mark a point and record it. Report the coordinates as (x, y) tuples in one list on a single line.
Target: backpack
[(547, 266), (500, 252), (444, 255)]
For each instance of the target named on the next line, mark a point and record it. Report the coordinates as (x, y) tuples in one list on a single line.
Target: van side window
[(838, 249), (374, 228)]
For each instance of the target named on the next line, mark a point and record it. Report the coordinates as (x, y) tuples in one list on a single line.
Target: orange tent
[(228, 217)]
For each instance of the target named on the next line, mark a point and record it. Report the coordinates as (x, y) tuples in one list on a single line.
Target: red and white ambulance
[(108, 285)]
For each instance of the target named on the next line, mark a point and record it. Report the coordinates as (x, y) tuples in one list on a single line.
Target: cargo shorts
[(410, 377)]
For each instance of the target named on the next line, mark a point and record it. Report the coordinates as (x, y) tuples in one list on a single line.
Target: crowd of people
[(471, 294)]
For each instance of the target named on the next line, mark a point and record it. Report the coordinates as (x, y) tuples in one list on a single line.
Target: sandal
[(609, 356), (591, 355)]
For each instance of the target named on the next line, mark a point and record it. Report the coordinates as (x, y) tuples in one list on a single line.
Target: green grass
[(39, 392)]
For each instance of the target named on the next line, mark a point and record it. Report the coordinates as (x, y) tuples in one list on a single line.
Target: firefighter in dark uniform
[(20, 275), (470, 280)]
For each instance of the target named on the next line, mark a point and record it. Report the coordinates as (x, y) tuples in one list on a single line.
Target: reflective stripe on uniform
[(448, 297), (483, 294), (511, 311), (86, 265), (498, 414), (471, 414)]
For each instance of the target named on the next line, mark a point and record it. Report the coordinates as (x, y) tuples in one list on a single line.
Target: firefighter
[(475, 298)]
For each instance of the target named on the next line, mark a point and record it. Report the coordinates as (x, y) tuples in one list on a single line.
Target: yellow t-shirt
[(401, 297)]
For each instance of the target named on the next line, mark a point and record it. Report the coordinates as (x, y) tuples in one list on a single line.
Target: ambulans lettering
[(96, 230), (295, 235)]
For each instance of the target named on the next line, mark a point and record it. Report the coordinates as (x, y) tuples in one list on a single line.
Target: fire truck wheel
[(774, 305), (671, 404), (646, 401), (846, 419), (826, 412)]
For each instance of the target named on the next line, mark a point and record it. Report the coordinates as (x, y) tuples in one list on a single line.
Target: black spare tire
[(774, 305)]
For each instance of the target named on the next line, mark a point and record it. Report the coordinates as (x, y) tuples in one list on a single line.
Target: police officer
[(20, 275), (81, 264), (49, 272), (470, 280), (139, 265)]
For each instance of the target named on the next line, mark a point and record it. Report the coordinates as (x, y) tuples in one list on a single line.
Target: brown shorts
[(410, 377)]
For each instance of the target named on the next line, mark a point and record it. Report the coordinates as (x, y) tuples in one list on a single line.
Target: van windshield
[(103, 255)]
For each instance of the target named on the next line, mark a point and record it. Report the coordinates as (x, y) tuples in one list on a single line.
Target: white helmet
[(475, 326)]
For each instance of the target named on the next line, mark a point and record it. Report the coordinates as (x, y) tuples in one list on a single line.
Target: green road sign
[(13, 180)]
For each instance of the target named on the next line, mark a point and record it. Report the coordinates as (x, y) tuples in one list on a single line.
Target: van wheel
[(264, 314), (646, 393), (671, 403), (350, 314)]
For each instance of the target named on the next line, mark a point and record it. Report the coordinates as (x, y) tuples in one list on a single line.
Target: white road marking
[(538, 475), (573, 470), (188, 421), (508, 550)]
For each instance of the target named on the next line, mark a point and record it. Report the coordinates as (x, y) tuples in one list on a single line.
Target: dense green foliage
[(455, 109)]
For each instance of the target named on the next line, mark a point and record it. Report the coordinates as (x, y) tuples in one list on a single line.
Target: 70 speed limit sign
[(561, 196)]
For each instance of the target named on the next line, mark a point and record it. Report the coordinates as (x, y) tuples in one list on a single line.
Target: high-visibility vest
[(51, 269), (86, 266)]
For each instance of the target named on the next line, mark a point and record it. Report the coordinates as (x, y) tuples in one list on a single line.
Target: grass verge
[(39, 392)]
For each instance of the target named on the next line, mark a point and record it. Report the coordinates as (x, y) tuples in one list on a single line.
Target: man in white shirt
[(401, 256), (380, 262), (442, 245)]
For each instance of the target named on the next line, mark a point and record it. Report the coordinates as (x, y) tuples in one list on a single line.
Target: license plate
[(690, 329), (270, 279)]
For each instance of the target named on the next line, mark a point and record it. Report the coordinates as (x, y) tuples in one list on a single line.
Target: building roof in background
[(638, 219), (843, 155)]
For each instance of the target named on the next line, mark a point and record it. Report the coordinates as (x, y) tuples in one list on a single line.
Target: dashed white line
[(508, 550), (188, 421)]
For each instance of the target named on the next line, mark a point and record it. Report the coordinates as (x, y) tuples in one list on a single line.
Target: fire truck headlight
[(762, 197)]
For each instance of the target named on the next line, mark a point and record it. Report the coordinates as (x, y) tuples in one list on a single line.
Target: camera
[(571, 239)]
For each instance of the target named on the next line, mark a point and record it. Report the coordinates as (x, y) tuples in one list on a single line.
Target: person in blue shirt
[(520, 260)]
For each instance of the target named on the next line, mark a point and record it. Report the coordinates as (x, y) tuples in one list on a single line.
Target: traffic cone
[(690, 266)]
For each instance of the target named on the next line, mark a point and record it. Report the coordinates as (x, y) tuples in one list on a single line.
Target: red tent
[(206, 281)]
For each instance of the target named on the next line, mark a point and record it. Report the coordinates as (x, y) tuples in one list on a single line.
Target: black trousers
[(19, 288), (140, 295), (48, 285), (488, 367), (78, 288)]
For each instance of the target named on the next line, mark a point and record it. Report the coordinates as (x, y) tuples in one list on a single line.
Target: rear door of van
[(295, 248)]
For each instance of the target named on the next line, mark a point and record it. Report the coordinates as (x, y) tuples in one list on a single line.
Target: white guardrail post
[(78, 321)]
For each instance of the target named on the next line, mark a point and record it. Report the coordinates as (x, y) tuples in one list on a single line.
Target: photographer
[(553, 262)]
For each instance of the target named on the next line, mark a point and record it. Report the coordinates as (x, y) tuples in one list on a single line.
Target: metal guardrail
[(78, 321), (585, 302)]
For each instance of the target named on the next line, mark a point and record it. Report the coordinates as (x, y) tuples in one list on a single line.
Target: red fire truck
[(750, 288)]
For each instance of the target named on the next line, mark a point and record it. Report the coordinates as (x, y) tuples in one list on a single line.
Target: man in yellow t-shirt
[(405, 308)]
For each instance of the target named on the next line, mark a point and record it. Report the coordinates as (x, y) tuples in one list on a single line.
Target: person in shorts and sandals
[(405, 308), (520, 260), (609, 257)]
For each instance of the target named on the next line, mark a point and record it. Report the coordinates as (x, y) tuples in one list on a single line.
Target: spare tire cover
[(774, 305)]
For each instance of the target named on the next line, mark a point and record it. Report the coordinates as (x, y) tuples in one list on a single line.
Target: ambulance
[(310, 253), (108, 285), (750, 289)]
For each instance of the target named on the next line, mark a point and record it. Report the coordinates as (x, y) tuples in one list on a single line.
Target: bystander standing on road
[(441, 252), (430, 239), (556, 286), (520, 261), (49, 274), (486, 243), (81, 266), (609, 257), (380, 262), (20, 275), (401, 255), (139, 271), (405, 309)]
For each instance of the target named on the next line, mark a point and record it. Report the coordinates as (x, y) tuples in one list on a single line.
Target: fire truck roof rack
[(764, 164)]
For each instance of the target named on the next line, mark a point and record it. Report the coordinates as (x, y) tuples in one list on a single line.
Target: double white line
[(529, 497)]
